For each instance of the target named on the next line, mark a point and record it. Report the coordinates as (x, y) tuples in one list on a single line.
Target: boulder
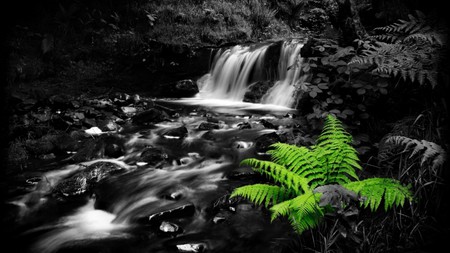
[(176, 133), (153, 156), (208, 126), (149, 117), (263, 142), (84, 182)]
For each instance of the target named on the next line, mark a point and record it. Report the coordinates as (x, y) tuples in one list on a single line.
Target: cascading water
[(231, 72), (289, 70), (235, 69)]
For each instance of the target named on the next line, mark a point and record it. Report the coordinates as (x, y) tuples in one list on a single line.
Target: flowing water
[(136, 209)]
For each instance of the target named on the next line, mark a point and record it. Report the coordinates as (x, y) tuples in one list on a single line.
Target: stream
[(169, 190)]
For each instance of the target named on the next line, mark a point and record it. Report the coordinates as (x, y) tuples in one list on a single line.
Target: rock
[(173, 212), (129, 110), (208, 126), (256, 91), (85, 181), (111, 146), (267, 124), (191, 247), (263, 142), (244, 125), (186, 88), (153, 156), (113, 150), (88, 122), (243, 207), (176, 133), (151, 116), (120, 98), (243, 173), (100, 103), (107, 125), (169, 227)]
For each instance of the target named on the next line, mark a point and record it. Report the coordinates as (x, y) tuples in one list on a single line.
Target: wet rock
[(172, 212), (244, 125), (243, 173), (107, 125), (113, 150), (176, 133), (209, 136), (111, 146), (169, 227), (128, 110), (151, 116), (153, 156), (208, 126), (120, 98), (85, 181), (263, 142), (89, 122), (191, 247), (186, 88), (243, 207), (268, 125), (103, 103), (256, 91), (221, 217)]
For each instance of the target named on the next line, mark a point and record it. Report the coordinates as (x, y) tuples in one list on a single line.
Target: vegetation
[(309, 177)]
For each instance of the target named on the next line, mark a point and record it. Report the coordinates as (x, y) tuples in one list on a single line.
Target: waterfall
[(232, 70), (289, 70)]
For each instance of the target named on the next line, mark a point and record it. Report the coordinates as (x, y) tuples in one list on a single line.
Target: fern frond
[(279, 174), (300, 160), (263, 194), (374, 190), (431, 153), (303, 211), (333, 131)]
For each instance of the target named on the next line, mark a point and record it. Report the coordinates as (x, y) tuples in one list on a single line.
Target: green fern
[(310, 179), (374, 190), (263, 194)]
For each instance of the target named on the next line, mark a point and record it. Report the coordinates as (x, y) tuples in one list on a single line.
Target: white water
[(289, 70), (231, 72), (234, 69)]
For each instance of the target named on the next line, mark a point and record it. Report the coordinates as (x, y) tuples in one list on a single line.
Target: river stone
[(151, 116), (169, 227), (263, 142), (178, 133), (191, 247), (153, 156), (244, 125), (208, 126), (267, 124), (85, 181), (186, 88)]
